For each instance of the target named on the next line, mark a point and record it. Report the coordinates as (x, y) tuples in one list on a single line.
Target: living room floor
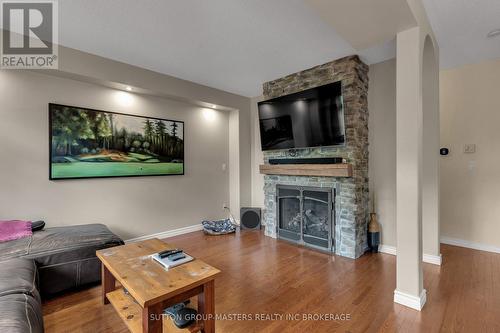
[(261, 275)]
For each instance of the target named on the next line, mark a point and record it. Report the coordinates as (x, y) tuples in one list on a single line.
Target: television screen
[(310, 118)]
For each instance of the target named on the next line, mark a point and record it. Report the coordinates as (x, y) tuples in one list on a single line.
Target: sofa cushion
[(20, 313), (18, 276), (64, 244), (65, 256), (44, 245)]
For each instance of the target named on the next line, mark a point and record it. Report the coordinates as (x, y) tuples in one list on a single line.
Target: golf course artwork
[(86, 143)]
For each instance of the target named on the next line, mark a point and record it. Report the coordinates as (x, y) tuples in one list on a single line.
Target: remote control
[(167, 253), (176, 256)]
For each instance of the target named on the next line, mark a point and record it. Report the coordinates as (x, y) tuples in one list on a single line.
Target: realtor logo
[(29, 34)]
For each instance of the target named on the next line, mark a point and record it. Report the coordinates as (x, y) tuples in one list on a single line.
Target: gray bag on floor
[(220, 227)]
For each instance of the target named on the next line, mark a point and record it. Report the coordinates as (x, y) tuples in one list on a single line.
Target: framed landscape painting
[(86, 143)]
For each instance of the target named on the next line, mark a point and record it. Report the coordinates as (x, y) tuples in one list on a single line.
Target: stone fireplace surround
[(352, 198)]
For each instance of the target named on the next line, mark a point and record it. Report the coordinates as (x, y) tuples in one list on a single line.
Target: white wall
[(470, 183), (131, 207), (382, 146)]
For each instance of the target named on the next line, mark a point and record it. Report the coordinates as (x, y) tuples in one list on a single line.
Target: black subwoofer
[(250, 218)]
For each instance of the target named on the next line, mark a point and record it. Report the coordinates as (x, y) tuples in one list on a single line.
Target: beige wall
[(470, 186), (234, 164), (382, 146), (94, 69), (131, 207), (470, 183)]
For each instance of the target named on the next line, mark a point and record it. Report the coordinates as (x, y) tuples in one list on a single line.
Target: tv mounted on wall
[(309, 118)]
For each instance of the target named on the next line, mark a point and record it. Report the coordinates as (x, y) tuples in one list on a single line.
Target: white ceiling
[(227, 44), (461, 27), (365, 23), (236, 45)]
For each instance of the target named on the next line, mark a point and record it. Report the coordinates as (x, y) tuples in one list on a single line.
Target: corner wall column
[(431, 133), (409, 276)]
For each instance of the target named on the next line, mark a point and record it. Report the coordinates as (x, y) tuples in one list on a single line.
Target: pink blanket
[(10, 230)]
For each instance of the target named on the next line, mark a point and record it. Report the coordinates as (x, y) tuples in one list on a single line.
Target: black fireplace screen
[(316, 214), (290, 212), (305, 215)]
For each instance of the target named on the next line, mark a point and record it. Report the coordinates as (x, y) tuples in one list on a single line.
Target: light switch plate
[(472, 167), (469, 148)]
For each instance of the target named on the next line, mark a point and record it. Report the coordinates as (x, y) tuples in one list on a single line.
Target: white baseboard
[(169, 233), (411, 301), (432, 259), (387, 249), (470, 245), (437, 260), (428, 258)]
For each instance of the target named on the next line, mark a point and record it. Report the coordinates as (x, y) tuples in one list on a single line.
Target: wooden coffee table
[(151, 288)]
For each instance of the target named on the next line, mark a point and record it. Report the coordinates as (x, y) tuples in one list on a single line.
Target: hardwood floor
[(263, 276)]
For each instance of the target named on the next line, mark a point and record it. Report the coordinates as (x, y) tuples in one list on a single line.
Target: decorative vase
[(373, 233)]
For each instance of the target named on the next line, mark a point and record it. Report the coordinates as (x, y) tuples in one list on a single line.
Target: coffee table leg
[(152, 319), (108, 282), (206, 307)]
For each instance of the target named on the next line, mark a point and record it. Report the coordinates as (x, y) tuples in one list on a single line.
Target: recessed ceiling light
[(128, 88), (214, 106), (493, 33)]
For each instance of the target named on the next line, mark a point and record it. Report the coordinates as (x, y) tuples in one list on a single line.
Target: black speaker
[(250, 218), (316, 160)]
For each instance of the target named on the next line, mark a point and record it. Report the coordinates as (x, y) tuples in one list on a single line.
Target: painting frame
[(51, 136)]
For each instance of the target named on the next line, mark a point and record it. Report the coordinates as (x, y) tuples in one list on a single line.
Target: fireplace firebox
[(306, 215)]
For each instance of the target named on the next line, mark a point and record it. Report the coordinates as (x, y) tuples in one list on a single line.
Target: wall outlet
[(469, 148)]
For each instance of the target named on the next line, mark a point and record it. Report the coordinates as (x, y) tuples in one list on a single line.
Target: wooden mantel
[(318, 170)]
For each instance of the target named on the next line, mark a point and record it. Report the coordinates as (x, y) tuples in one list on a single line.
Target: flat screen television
[(310, 118)]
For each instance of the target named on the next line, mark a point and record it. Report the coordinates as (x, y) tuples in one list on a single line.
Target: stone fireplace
[(329, 213)]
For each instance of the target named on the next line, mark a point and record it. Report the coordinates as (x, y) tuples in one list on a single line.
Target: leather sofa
[(47, 263), (20, 303)]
